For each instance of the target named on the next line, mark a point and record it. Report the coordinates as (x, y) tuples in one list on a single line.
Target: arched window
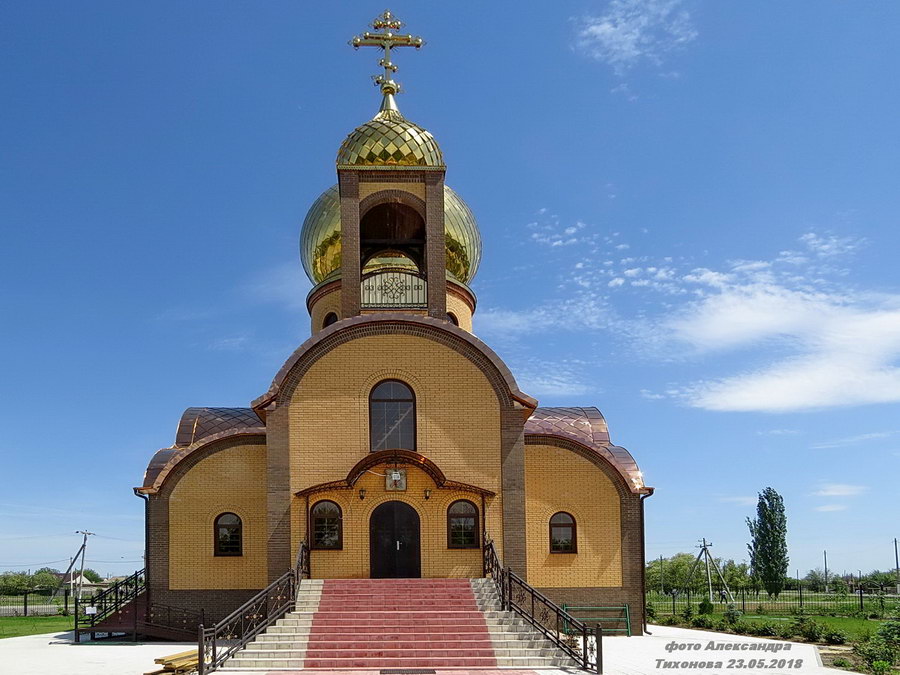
[(327, 528), (392, 417), (228, 533), (330, 318), (453, 319), (563, 537), (462, 525)]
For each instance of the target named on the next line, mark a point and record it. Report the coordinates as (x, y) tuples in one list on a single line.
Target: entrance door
[(394, 542)]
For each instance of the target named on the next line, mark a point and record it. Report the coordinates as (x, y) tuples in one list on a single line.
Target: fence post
[(201, 656), (25, 602), (66, 596), (743, 600), (599, 639), (673, 602), (800, 588), (861, 607)]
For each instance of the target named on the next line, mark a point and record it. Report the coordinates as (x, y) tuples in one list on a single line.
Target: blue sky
[(689, 211)]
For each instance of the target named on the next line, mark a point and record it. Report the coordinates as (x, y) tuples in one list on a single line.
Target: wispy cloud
[(852, 440), (831, 507), (282, 284), (778, 432), (633, 31), (839, 490)]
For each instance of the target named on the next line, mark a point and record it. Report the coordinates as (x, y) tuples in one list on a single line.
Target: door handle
[(398, 545)]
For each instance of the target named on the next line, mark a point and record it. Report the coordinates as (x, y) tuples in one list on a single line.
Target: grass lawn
[(14, 626)]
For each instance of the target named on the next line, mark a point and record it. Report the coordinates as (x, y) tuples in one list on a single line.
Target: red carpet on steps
[(399, 623)]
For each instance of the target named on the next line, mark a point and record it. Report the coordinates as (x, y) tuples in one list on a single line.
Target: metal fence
[(36, 603), (753, 602)]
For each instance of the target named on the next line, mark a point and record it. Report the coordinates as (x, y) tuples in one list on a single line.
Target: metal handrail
[(556, 624), (108, 601), (217, 644)]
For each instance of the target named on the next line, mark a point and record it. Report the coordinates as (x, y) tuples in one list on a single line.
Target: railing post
[(77, 637), (599, 639), (585, 661), (201, 651)]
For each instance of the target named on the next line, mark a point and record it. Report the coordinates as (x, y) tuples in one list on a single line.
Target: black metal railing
[(575, 638), (217, 644), (393, 288), (176, 619), (94, 610)]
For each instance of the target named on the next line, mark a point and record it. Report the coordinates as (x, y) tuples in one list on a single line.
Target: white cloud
[(828, 246), (831, 507), (284, 284), (635, 31), (230, 344), (852, 440), (839, 490), (778, 432)]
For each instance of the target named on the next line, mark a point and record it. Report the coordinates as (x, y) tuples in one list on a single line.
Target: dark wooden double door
[(394, 550)]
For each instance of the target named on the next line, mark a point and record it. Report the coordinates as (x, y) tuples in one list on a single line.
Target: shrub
[(669, 620), (732, 614), (651, 611), (813, 631), (760, 610), (706, 606), (785, 631), (890, 632), (766, 629), (688, 612), (880, 667), (841, 662), (876, 649), (834, 636), (702, 621), (740, 627)]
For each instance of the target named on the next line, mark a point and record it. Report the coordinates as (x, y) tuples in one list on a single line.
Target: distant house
[(76, 581)]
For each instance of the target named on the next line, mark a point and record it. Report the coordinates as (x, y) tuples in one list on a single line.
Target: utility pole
[(825, 555), (897, 565), (85, 534), (708, 559)]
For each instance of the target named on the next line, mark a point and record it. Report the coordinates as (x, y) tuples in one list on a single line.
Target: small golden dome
[(389, 139), (320, 238)]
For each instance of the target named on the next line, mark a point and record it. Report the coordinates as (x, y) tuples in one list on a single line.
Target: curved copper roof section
[(386, 317), (396, 456), (199, 427), (587, 427)]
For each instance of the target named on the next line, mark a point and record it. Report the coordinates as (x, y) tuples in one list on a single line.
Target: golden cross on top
[(386, 39)]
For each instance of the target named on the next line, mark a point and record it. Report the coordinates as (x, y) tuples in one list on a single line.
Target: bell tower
[(391, 185)]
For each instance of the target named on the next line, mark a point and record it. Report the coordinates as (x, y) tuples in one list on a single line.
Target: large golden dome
[(320, 238), (389, 139)]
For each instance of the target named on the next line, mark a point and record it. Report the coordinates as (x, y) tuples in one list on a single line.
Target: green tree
[(92, 576), (42, 580), (815, 580), (768, 542), (14, 583)]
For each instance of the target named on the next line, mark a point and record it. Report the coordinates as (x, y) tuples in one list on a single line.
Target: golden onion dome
[(320, 239), (389, 139)]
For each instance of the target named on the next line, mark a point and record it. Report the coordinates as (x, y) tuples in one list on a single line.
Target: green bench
[(623, 617)]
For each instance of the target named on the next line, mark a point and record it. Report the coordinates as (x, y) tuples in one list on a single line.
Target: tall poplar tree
[(768, 542)]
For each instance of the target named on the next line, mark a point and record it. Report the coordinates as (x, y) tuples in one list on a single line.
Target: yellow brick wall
[(457, 413), (229, 480), (437, 560), (366, 189), (330, 302), (461, 310), (559, 480)]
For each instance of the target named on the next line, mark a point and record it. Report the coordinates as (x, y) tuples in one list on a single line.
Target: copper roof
[(587, 427), (198, 423)]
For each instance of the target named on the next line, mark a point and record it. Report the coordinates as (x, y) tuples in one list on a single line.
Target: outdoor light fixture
[(362, 493), (427, 493)]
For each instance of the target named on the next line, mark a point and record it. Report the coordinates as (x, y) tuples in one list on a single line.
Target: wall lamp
[(362, 493), (427, 493)]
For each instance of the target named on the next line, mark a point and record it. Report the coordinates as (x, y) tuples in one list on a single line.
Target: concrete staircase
[(398, 623)]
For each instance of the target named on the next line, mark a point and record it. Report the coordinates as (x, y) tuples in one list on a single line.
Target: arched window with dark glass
[(563, 538), (327, 527), (462, 525), (392, 417), (330, 318), (228, 532), (453, 319)]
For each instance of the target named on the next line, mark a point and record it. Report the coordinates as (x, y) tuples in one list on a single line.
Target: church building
[(393, 442)]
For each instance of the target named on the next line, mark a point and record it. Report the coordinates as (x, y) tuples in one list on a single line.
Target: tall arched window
[(327, 527), (462, 525), (392, 416), (563, 537), (228, 533), (330, 318)]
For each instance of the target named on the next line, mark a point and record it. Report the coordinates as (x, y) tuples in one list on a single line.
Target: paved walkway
[(54, 654)]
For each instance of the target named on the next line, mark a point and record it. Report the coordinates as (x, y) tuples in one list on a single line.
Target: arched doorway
[(394, 542)]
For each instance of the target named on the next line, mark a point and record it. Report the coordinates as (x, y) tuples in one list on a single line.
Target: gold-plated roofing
[(320, 237), (389, 139)]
